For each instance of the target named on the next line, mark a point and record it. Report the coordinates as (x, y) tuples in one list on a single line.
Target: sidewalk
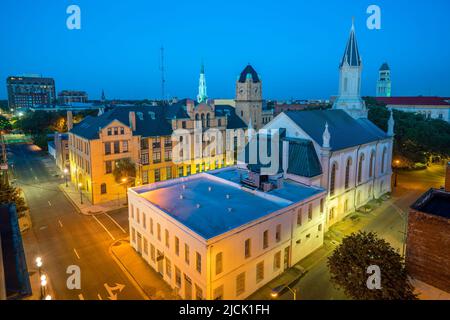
[(148, 281), (73, 195)]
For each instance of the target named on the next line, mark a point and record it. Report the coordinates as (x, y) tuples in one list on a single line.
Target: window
[(240, 283), (133, 235), (103, 188), (108, 167), (266, 239), (346, 205), (218, 293), (277, 261), (152, 252), (156, 143), (198, 293), (260, 271), (158, 231), (177, 246), (372, 158), (132, 211), (109, 131), (144, 144), (319, 228), (333, 178), (186, 254), (219, 263), (188, 170), (138, 216), (144, 176), (167, 238), (347, 173), (198, 262), (278, 233), (156, 157), (180, 171), (310, 212), (169, 173), (168, 268), (122, 130), (167, 155), (331, 215), (168, 142), (146, 246), (183, 124), (247, 252), (177, 277), (116, 131), (383, 159), (144, 158), (124, 146), (144, 220), (151, 226), (360, 167), (157, 175), (116, 146), (299, 216), (321, 205), (107, 148)]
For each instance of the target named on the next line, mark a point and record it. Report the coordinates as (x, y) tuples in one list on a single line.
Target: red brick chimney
[(447, 178), (132, 119)]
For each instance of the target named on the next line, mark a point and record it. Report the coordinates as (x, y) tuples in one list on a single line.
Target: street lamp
[(124, 180), (48, 297), (43, 285), (397, 163), (81, 192), (65, 175), (39, 265), (277, 290)]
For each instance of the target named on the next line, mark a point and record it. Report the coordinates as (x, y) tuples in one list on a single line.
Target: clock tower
[(249, 97)]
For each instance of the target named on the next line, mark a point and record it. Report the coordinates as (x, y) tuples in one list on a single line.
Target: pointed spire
[(103, 96), (351, 53), (202, 95), (326, 137), (391, 124)]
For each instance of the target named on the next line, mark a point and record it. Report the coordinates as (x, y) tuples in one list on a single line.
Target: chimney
[(447, 177), (69, 120), (132, 120)]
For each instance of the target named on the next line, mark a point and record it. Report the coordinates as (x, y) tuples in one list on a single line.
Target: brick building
[(428, 239)]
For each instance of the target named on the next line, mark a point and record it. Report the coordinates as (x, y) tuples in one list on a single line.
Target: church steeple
[(350, 69), (202, 95)]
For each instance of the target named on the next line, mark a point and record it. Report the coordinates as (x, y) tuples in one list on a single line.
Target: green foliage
[(5, 125), (348, 268), (9, 194), (416, 138), (124, 168), (41, 140)]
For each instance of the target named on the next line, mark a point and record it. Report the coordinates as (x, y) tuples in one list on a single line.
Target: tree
[(5, 125), (124, 169), (349, 263), (9, 194)]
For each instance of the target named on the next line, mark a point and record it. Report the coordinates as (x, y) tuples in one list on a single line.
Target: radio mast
[(163, 80)]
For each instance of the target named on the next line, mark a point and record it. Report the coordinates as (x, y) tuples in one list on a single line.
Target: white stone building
[(355, 155), (212, 237), (384, 81)]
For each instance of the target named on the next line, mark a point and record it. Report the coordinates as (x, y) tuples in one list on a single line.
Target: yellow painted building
[(143, 134)]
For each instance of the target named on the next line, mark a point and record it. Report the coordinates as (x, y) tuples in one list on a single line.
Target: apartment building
[(211, 236)]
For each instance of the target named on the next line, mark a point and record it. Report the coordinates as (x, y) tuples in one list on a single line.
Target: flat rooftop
[(211, 205), (435, 202)]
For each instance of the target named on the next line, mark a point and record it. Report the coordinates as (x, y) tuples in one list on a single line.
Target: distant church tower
[(202, 95), (249, 97), (349, 98), (384, 81)]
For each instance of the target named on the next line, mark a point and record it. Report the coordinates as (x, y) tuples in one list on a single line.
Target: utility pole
[(163, 80)]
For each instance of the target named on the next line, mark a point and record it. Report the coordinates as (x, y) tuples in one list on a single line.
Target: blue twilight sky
[(295, 45)]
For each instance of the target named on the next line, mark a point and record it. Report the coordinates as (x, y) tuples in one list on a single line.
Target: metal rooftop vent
[(198, 205), (228, 196), (209, 188), (181, 197)]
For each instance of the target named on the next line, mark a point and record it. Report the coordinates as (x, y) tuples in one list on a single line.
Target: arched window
[(347, 173), (203, 120), (345, 84), (372, 159), (103, 188), (383, 160), (207, 120), (333, 178), (360, 167)]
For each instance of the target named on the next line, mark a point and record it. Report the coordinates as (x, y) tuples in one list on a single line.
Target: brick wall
[(428, 249)]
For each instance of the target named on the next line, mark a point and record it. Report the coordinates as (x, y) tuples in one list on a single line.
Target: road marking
[(60, 223), (76, 253), (80, 296), (99, 296), (113, 295), (112, 237), (49, 203), (116, 223)]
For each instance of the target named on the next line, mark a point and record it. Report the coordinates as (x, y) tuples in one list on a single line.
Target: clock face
[(241, 92)]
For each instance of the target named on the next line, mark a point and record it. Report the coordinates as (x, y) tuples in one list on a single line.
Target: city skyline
[(130, 70)]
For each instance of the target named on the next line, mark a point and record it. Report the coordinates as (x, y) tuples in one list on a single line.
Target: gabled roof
[(414, 101), (249, 72), (351, 53), (151, 121), (345, 131), (303, 159)]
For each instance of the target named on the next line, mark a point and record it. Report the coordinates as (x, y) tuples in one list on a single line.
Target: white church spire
[(391, 124), (326, 137), (202, 95)]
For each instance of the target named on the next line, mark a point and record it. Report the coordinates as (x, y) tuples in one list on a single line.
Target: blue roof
[(303, 159), (345, 131), (204, 206), (351, 53), (150, 120), (249, 73)]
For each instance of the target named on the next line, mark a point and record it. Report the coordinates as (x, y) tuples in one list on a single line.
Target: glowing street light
[(39, 262), (66, 171), (277, 290), (48, 297)]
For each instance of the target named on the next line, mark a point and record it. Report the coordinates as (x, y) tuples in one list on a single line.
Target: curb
[(126, 271)]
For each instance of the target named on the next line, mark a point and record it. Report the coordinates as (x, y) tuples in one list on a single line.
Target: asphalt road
[(66, 237)]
